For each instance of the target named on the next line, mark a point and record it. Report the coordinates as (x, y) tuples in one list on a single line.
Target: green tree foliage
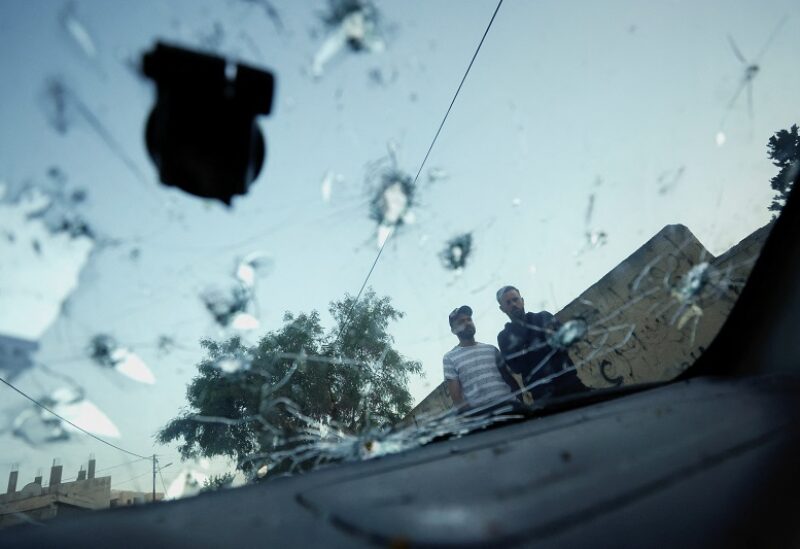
[(784, 150), (217, 482), (350, 377)]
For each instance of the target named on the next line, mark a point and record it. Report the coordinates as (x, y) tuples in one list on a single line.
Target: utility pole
[(154, 479)]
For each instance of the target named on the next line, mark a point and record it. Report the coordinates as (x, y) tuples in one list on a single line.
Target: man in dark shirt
[(524, 344)]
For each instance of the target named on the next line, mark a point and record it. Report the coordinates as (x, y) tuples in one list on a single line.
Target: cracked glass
[(618, 166)]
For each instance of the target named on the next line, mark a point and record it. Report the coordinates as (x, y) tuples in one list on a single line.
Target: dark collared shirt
[(525, 349)]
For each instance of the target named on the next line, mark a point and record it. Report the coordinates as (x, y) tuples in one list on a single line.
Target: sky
[(624, 105)]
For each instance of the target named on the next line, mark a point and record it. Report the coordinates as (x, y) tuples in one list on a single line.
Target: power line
[(65, 420), (134, 478), (463, 79), (112, 467), (421, 166)]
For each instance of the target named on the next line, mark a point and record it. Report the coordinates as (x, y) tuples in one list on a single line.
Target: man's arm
[(513, 380), (505, 371), (455, 391), (452, 382)]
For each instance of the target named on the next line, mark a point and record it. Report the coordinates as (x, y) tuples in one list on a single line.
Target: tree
[(350, 377), (217, 482), (784, 150)]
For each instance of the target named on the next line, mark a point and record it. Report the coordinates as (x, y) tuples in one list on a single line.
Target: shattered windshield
[(350, 228)]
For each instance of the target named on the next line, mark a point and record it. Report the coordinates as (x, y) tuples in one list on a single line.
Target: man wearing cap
[(525, 348), (471, 368)]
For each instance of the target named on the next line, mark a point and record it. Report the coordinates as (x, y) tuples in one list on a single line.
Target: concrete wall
[(643, 326), (437, 401)]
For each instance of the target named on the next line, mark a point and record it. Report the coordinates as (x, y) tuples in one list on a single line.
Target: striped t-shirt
[(475, 367)]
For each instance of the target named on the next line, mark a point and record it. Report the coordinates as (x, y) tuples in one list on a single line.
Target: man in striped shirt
[(471, 369)]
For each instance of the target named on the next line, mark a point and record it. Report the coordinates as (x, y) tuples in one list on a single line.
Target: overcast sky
[(627, 105)]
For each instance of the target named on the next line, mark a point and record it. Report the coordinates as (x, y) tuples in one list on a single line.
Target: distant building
[(123, 498), (15, 355), (36, 502)]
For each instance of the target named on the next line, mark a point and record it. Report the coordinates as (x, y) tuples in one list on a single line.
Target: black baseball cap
[(463, 310)]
